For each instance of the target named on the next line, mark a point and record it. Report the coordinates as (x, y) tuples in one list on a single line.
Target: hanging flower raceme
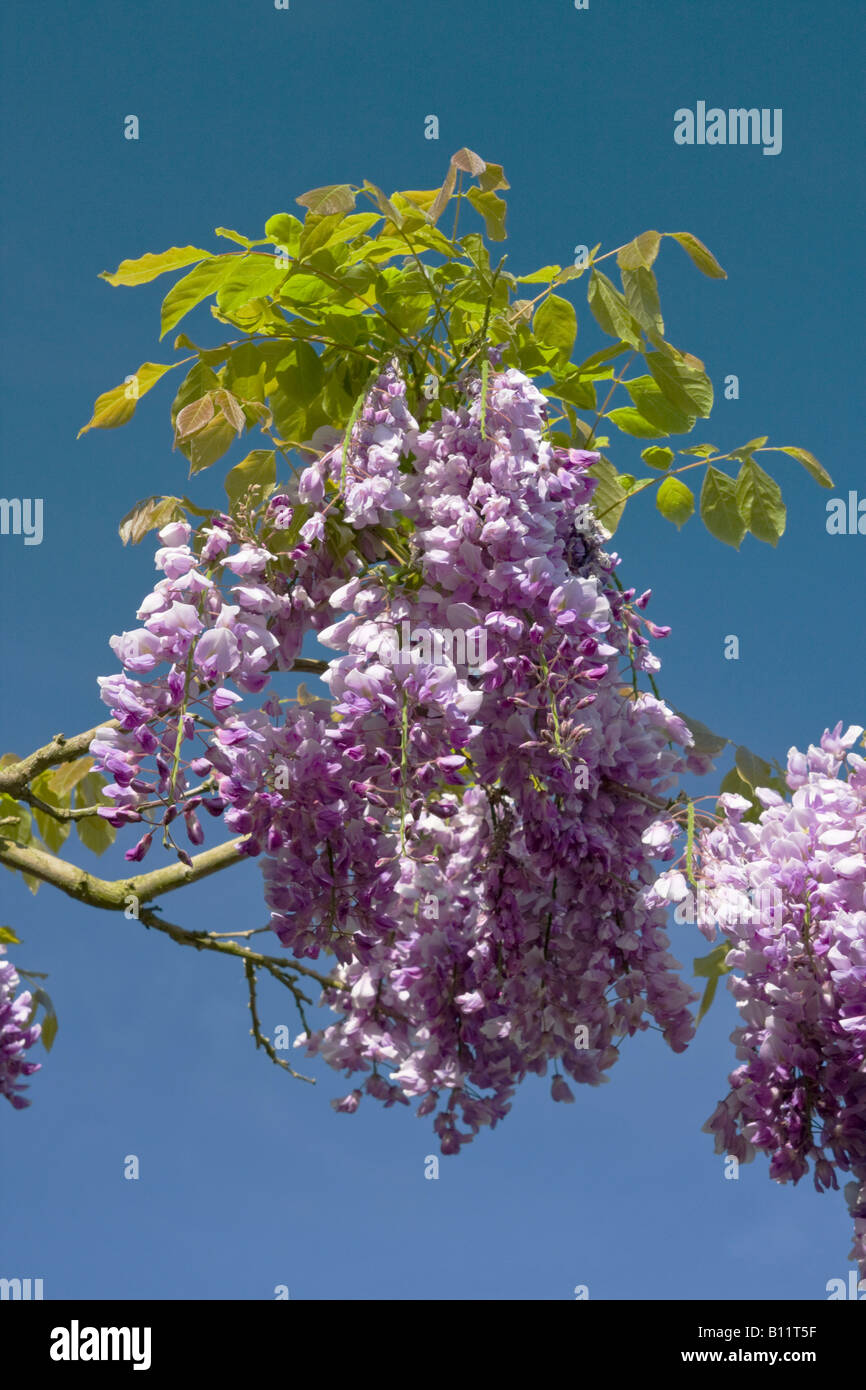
[(799, 1094), (468, 824), (17, 1034)]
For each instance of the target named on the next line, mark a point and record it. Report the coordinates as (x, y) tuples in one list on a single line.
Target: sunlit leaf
[(759, 501), (809, 462), (258, 469), (149, 266), (115, 407), (330, 198), (719, 511), (700, 254), (192, 289), (675, 501)]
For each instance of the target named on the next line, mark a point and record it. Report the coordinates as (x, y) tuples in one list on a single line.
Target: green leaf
[(642, 298), (630, 421), (311, 373), (753, 770), (93, 831), (149, 515), (115, 407), (575, 389), (809, 462), (231, 410), (49, 1031), (702, 257), (191, 508), (555, 324), (545, 276), (705, 967), (655, 407), (316, 232), (702, 451), (8, 937), (675, 501), (247, 369), (63, 778), (53, 832), (430, 237), (194, 416), (708, 996), (198, 381), (192, 289), (442, 199), (304, 289), (574, 272), (209, 444), (570, 272), (759, 500), (711, 968), (298, 380), (351, 227), (236, 237), (258, 469), (686, 386), (15, 820), (149, 266), (610, 310), (595, 364), (633, 485), (251, 277), (640, 253), (211, 357), (476, 251), (284, 230), (492, 177), (705, 741), (414, 209), (387, 208), (609, 497), (492, 209), (411, 217), (658, 458), (719, 511), (329, 199)]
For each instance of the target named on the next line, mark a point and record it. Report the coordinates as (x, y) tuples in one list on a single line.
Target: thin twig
[(256, 1030)]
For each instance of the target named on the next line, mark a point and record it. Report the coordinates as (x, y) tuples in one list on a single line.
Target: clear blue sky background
[(248, 1179)]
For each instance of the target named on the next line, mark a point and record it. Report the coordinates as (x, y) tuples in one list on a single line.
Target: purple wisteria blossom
[(16, 1036), (469, 845), (799, 1093)]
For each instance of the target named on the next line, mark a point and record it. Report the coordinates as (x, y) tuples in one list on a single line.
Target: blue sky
[(248, 1179)]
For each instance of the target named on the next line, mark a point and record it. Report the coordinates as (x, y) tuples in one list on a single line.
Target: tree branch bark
[(17, 776), (111, 895)]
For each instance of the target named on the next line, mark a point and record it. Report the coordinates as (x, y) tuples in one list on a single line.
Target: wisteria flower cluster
[(799, 1094), (470, 844), (16, 1035)]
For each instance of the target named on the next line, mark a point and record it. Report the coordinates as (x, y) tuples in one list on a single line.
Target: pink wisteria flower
[(514, 797)]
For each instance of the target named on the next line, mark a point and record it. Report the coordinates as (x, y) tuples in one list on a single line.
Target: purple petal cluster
[(16, 1036), (470, 842), (224, 615), (370, 477), (799, 1093)]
